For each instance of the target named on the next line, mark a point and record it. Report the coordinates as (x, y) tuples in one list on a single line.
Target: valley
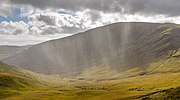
[(121, 61), (31, 86), (125, 89)]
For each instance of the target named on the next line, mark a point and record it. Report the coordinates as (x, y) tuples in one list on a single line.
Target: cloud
[(27, 39), (146, 7), (26, 10), (13, 28), (48, 18), (5, 8), (152, 7), (60, 22)]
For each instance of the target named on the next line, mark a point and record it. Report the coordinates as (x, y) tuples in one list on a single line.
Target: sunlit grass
[(114, 90), (96, 83)]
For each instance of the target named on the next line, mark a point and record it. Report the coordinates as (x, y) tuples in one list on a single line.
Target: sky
[(26, 22)]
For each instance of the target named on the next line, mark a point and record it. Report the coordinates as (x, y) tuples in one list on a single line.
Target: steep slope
[(119, 46), (169, 94), (15, 80), (7, 51)]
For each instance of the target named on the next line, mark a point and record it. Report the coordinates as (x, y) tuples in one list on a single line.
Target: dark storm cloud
[(74, 5), (47, 19), (94, 15), (146, 7), (165, 7)]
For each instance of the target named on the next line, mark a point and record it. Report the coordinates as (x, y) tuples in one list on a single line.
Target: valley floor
[(145, 87)]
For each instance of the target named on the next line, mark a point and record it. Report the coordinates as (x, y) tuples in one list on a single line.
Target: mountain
[(118, 46), (7, 51), (121, 61)]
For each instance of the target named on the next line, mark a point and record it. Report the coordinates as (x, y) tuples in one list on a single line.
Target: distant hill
[(119, 46), (7, 51)]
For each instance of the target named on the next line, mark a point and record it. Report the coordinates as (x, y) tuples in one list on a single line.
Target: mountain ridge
[(119, 45)]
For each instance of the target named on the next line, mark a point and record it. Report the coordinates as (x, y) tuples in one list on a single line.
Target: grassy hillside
[(94, 84), (154, 81), (15, 80), (102, 71), (124, 89), (172, 64), (169, 94)]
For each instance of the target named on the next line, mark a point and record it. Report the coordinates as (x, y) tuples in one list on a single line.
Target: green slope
[(123, 89), (97, 83), (14, 80), (169, 94), (101, 71)]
